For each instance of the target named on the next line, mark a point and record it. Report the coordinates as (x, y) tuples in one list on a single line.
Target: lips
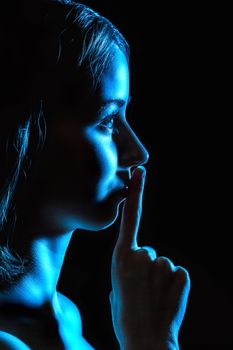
[(124, 188), (125, 177)]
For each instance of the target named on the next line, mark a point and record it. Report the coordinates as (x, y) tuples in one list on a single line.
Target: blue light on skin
[(77, 183), (14, 341)]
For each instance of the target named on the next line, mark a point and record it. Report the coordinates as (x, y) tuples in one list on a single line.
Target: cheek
[(87, 166), (100, 164)]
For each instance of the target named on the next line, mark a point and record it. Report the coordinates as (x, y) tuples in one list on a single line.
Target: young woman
[(69, 158)]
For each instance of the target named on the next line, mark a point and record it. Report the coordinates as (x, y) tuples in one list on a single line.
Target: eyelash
[(114, 130)]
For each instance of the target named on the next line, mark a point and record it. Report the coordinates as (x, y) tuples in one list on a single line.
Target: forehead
[(114, 82)]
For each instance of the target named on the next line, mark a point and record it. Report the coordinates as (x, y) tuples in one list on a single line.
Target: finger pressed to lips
[(132, 210)]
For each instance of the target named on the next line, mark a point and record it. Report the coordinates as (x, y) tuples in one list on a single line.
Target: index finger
[(132, 210)]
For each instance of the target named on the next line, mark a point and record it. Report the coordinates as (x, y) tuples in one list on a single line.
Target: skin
[(83, 189), (77, 182), (150, 294)]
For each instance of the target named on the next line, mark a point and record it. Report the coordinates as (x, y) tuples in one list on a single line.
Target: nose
[(133, 152)]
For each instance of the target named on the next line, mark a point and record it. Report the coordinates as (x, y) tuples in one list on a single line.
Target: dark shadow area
[(176, 97)]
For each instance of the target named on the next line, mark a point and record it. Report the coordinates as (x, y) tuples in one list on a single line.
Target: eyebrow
[(119, 102)]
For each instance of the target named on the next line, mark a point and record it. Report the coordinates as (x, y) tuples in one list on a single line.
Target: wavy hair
[(46, 42)]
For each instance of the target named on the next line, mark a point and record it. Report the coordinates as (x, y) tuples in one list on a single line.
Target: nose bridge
[(135, 153)]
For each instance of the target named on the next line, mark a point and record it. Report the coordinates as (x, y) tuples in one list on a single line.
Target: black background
[(179, 94)]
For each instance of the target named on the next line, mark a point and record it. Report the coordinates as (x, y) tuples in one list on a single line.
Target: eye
[(109, 124)]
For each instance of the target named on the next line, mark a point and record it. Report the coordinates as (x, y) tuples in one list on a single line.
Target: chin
[(104, 216), (96, 217)]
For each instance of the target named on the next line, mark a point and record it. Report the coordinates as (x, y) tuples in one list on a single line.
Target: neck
[(36, 289)]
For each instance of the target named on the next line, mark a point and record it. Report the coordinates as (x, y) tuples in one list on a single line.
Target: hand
[(149, 294)]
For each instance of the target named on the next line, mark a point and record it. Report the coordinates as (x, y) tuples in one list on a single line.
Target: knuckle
[(165, 263), (182, 275), (148, 252)]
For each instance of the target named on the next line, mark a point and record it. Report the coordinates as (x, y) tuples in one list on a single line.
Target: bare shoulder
[(10, 342)]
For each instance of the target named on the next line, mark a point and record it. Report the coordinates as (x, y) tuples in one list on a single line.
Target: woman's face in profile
[(88, 158)]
